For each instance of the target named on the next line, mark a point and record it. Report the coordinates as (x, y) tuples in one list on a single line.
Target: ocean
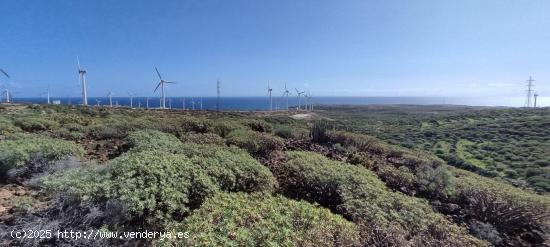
[(262, 103)]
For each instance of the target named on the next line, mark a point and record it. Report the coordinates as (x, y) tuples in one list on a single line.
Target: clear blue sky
[(352, 48)]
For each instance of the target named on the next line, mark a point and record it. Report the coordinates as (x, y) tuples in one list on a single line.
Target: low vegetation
[(345, 176), (19, 151), (357, 194), (261, 220)]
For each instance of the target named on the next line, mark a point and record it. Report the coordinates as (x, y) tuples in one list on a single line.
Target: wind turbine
[(110, 95), (47, 93), (131, 99), (97, 101), (299, 100), (536, 95), (82, 80), (161, 85), (286, 93), (147, 102), (7, 93), (269, 89), (4, 72), (183, 104)]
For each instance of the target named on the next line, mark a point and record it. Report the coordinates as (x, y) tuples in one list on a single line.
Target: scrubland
[(356, 178)]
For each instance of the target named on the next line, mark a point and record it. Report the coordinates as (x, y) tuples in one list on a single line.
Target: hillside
[(342, 176)]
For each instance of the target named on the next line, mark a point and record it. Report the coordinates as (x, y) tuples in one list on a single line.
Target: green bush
[(512, 211), (360, 196), (285, 131), (20, 149), (435, 182), (198, 125), (319, 132), (159, 187), (223, 127), (261, 220), (360, 142), (7, 127), (207, 138), (232, 168), (35, 123), (144, 140), (259, 125), (255, 142)]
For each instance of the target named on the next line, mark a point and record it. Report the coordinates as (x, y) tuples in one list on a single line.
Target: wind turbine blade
[(78, 62), (4, 72), (173, 82), (160, 77), (157, 87)]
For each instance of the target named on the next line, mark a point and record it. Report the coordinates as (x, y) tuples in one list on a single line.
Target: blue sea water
[(262, 103)]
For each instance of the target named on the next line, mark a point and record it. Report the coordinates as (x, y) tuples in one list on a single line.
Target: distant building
[(56, 102)]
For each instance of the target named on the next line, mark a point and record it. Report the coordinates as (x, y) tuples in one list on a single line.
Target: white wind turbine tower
[(82, 80), (131, 95), (110, 95), (269, 90), (299, 100), (161, 85), (47, 93), (147, 102), (7, 94), (286, 93)]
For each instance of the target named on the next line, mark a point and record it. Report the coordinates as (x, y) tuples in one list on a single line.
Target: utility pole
[(218, 96), (529, 91)]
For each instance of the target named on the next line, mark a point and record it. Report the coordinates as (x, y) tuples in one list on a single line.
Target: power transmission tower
[(218, 97), (529, 91)]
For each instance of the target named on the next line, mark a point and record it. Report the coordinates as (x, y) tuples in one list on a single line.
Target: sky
[(447, 48)]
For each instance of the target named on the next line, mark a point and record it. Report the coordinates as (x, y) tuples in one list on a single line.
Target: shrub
[(68, 134), (7, 127), (360, 196), (261, 220), (232, 168), (156, 187), (516, 214), (285, 131), (19, 150), (319, 132), (197, 125), (255, 142), (208, 138), (35, 123), (223, 127), (259, 125), (435, 182), (102, 132), (361, 142), (144, 140)]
